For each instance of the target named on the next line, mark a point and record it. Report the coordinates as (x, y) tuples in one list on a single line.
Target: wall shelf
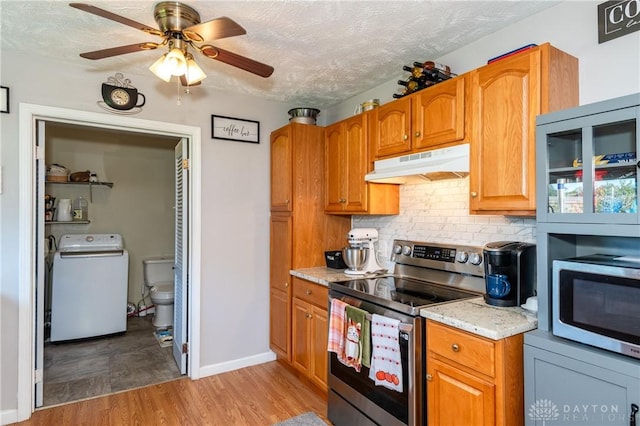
[(67, 222), (109, 184)]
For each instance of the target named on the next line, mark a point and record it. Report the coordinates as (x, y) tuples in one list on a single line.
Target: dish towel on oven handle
[(386, 363), (337, 329), (357, 346)]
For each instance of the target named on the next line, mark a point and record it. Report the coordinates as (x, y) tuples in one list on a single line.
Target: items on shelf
[(57, 173), (423, 75)]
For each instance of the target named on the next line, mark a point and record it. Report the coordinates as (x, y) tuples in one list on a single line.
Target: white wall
[(235, 205), (607, 70)]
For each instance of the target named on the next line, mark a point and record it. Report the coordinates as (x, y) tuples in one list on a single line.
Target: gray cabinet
[(587, 169), (587, 196), (571, 384)]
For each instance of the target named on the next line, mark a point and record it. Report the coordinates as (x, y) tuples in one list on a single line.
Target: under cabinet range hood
[(443, 163)]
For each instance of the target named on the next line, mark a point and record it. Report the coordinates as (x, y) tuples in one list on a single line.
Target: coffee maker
[(514, 264)]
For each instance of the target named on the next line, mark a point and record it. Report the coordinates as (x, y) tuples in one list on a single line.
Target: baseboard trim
[(223, 367), (8, 417)]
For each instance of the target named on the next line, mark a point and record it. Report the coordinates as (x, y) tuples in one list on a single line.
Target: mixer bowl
[(355, 257)]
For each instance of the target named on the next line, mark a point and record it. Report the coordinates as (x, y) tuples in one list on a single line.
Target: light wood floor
[(260, 395)]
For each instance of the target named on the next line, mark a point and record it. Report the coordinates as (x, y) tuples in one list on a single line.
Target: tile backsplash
[(438, 211)]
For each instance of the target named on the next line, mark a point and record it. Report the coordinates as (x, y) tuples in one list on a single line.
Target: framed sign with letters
[(617, 18), (235, 129)]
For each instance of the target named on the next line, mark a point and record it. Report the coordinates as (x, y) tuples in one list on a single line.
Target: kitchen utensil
[(355, 258)]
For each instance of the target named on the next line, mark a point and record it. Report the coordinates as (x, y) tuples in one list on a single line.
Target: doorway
[(32, 226), (134, 197)]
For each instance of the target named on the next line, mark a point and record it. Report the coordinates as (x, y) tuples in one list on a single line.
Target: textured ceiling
[(323, 52)]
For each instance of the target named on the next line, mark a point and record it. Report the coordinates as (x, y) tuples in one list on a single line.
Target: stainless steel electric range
[(424, 274)]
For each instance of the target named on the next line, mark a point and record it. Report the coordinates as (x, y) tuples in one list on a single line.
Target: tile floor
[(79, 370)]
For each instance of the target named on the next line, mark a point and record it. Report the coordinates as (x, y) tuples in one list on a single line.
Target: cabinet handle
[(286, 285), (455, 347), (632, 416), (308, 315), (308, 292), (405, 137), (429, 378), (417, 134), (286, 201), (474, 194)]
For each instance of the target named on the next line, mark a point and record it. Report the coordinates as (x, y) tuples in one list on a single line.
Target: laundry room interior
[(132, 195)]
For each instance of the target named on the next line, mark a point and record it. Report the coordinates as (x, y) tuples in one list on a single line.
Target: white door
[(181, 279), (40, 267)]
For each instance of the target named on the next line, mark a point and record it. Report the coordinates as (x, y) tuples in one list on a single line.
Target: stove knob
[(397, 249), (475, 259), (462, 257), (406, 250)]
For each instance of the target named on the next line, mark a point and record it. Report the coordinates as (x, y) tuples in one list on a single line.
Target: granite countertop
[(323, 275), (475, 316)]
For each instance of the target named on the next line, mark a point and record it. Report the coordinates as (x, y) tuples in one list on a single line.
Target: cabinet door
[(300, 329), (392, 128), (335, 168), (281, 170), (506, 100), (280, 323), (318, 346), (279, 281), (575, 392), (456, 398), (355, 144), (439, 114)]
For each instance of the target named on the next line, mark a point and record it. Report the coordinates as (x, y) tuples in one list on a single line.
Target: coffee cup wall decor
[(119, 94)]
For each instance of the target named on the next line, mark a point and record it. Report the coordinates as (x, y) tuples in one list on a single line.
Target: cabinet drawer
[(463, 348), (315, 294)]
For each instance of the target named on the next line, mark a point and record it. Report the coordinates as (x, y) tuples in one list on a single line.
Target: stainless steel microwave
[(596, 301)]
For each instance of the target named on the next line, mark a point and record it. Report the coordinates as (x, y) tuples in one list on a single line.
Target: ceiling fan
[(180, 28)]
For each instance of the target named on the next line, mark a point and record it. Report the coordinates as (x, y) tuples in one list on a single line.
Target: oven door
[(354, 399), (597, 305)]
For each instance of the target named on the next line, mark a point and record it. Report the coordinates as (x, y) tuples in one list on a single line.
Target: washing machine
[(89, 287)]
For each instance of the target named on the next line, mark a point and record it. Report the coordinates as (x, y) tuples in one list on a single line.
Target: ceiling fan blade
[(238, 61), (120, 50), (121, 19), (213, 30)]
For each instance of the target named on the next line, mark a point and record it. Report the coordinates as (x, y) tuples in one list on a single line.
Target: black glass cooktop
[(403, 294)]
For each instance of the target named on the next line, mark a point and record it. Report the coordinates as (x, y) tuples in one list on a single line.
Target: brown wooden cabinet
[(473, 380), (430, 118), (310, 330), (300, 230), (506, 97), (346, 164)]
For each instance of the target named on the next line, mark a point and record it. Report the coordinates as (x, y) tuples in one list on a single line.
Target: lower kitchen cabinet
[(309, 329), (473, 380), (569, 383)]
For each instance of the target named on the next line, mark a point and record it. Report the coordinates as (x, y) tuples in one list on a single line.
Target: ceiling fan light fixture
[(176, 62), (194, 73), (160, 70)]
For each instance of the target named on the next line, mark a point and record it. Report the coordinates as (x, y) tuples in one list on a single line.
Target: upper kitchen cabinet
[(281, 167), (506, 97), (587, 163), (432, 117), (346, 164)]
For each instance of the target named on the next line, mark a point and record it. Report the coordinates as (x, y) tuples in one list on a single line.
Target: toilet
[(158, 277)]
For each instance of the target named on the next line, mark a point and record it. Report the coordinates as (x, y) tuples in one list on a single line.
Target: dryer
[(89, 287)]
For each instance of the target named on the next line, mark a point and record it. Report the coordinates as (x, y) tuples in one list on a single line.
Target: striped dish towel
[(336, 328), (386, 363)]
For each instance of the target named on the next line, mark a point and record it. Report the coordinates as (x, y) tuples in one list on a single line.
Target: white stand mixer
[(364, 238)]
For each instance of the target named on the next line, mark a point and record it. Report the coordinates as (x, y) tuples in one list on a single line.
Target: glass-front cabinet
[(588, 163)]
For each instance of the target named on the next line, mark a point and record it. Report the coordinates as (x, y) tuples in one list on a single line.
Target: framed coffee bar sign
[(235, 129), (617, 18)]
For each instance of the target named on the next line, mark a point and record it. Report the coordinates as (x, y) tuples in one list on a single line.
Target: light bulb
[(176, 62), (194, 73), (160, 70)]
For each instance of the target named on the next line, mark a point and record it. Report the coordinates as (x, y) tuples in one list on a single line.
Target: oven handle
[(404, 327)]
